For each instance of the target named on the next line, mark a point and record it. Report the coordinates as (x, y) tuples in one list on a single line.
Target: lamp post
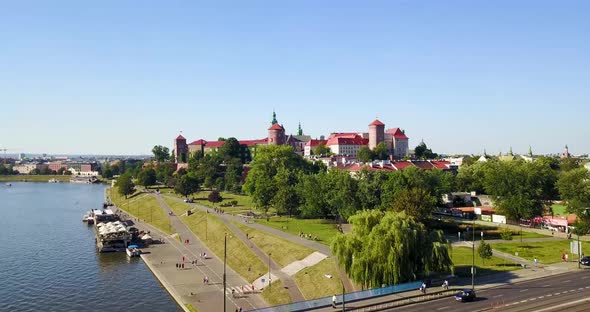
[(269, 270), (473, 255), (224, 265), (343, 299)]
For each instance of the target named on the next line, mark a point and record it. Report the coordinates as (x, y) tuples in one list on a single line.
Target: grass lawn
[(276, 294), (559, 210), (462, 259), (547, 252), (211, 231), (144, 207), (283, 251), (314, 284), (179, 208), (34, 178), (324, 230)]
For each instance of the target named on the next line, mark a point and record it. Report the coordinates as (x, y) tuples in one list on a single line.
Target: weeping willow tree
[(387, 248)]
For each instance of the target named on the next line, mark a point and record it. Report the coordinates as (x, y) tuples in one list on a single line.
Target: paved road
[(544, 294)]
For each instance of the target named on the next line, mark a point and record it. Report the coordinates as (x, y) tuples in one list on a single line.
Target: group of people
[(308, 236), (445, 286)]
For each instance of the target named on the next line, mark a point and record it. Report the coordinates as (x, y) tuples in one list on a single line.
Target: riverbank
[(34, 178)]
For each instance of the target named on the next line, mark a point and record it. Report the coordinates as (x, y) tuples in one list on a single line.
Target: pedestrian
[(566, 256), (445, 285), (183, 265), (240, 309), (177, 265), (188, 242), (334, 302), (204, 279), (563, 257), (536, 261), (182, 258)]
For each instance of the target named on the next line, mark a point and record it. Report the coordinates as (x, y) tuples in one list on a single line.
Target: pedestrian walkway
[(187, 285), (324, 249)]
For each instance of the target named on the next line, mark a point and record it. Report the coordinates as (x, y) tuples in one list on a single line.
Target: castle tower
[(180, 150), (276, 135), (566, 153), (376, 133)]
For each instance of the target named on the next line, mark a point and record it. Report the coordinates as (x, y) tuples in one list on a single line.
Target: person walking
[(445, 285), (566, 256), (334, 302)]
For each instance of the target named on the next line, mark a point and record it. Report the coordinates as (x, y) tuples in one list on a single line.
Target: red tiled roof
[(180, 137), (401, 165), (376, 123), (276, 127), (397, 133), (423, 165), (440, 164), (214, 144), (199, 142), (347, 141), (250, 143), (314, 143)]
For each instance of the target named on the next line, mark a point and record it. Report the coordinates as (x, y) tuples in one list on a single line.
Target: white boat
[(8, 184), (133, 251), (54, 180), (88, 218)]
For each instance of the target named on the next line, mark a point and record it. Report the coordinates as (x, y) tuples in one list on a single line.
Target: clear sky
[(118, 77)]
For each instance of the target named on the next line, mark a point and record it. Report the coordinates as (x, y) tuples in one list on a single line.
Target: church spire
[(530, 151), (510, 152), (299, 130), (274, 118)]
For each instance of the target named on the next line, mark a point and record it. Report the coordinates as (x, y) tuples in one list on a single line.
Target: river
[(48, 258)]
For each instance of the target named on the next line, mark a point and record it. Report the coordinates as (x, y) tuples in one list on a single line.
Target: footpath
[(323, 249), (186, 285)]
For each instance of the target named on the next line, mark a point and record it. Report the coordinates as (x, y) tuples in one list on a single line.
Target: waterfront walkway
[(186, 285)]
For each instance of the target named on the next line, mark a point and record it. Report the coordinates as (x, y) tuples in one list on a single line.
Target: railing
[(350, 297), (387, 305)]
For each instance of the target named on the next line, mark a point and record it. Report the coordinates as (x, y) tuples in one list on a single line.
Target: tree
[(365, 154), (484, 250), (214, 197), (233, 175), (322, 150), (125, 185), (574, 188), (423, 152), (567, 164), (387, 248), (230, 150), (161, 153), (416, 202), (380, 152), (187, 185), (147, 177), (164, 172), (286, 199)]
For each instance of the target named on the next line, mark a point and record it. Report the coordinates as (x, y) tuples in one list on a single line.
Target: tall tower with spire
[(274, 118), (299, 130), (276, 132), (566, 153)]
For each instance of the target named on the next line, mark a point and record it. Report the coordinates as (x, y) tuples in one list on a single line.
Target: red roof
[(250, 143), (397, 133), (276, 127), (401, 165), (199, 142), (180, 137), (440, 164), (346, 139), (314, 143), (376, 123), (214, 144), (423, 165)]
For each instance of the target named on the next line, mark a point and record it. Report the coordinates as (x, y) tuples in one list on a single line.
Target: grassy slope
[(276, 294), (239, 256), (144, 207), (547, 252), (283, 251), (314, 284), (559, 210), (323, 229), (463, 257)]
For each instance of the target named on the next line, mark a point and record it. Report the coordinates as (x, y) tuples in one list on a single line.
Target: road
[(569, 292)]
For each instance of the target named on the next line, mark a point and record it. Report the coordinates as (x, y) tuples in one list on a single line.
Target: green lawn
[(276, 294), (324, 230), (34, 178), (211, 231), (283, 251), (547, 252), (144, 207), (463, 257), (179, 208), (559, 210), (314, 284)]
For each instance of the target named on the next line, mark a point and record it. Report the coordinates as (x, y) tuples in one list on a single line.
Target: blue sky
[(118, 77)]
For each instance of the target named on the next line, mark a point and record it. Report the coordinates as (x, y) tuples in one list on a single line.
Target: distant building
[(565, 153), (27, 168), (180, 150), (397, 143), (311, 145)]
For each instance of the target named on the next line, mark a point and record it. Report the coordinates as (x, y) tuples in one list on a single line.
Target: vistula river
[(48, 258)]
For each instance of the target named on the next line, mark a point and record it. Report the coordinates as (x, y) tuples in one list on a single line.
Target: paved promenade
[(186, 285)]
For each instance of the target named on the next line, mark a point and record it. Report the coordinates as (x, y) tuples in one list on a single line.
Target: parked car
[(465, 295), (585, 261)]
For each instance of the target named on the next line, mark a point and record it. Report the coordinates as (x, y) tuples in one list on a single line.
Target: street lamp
[(269, 270), (224, 265), (473, 254)]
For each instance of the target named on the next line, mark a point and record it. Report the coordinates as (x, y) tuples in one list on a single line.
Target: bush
[(506, 234), (214, 197)]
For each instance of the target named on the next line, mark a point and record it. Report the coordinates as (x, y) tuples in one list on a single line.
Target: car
[(465, 295), (585, 261)]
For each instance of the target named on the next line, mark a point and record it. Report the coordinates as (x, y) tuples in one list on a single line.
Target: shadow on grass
[(465, 270)]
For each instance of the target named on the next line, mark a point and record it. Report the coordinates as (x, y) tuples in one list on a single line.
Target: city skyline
[(463, 77)]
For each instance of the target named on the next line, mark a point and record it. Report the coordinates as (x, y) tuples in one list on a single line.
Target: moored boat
[(133, 251), (54, 180)]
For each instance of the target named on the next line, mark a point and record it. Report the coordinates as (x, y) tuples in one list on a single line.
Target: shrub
[(506, 234), (214, 197)]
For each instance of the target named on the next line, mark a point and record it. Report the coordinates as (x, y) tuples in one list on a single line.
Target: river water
[(48, 258)]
